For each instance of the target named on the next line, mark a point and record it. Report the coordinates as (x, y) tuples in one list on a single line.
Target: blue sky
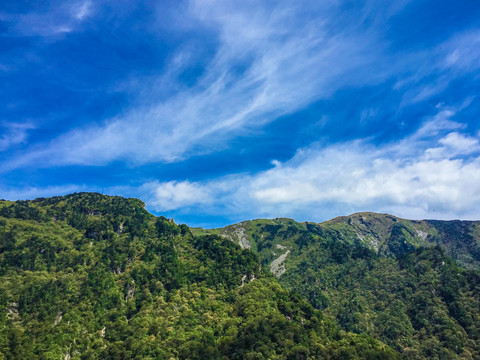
[(213, 112)]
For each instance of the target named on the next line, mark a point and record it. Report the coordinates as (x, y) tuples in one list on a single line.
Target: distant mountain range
[(384, 234), (88, 276)]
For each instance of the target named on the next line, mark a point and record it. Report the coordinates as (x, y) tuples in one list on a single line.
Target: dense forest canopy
[(89, 276)]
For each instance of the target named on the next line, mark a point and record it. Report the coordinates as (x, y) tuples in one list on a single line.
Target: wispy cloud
[(13, 134), (438, 67), (48, 19), (462, 51), (268, 62), (81, 10)]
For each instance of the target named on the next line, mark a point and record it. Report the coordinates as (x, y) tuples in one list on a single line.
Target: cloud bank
[(434, 173)]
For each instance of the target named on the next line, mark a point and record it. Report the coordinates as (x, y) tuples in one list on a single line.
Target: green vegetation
[(378, 275), (87, 276)]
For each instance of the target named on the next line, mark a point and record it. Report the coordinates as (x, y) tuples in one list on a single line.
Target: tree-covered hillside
[(380, 275), (87, 276), (384, 234)]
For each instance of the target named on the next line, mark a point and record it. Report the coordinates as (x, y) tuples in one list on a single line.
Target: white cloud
[(453, 145), (439, 122), (319, 183), (461, 143), (172, 195)]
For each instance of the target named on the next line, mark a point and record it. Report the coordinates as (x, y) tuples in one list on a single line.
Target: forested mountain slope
[(87, 276), (376, 274), (384, 234)]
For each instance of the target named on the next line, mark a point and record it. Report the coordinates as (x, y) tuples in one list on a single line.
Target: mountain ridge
[(374, 230), (89, 276)]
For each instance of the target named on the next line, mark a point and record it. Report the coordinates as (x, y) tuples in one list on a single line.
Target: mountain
[(412, 284), (88, 276), (384, 234)]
